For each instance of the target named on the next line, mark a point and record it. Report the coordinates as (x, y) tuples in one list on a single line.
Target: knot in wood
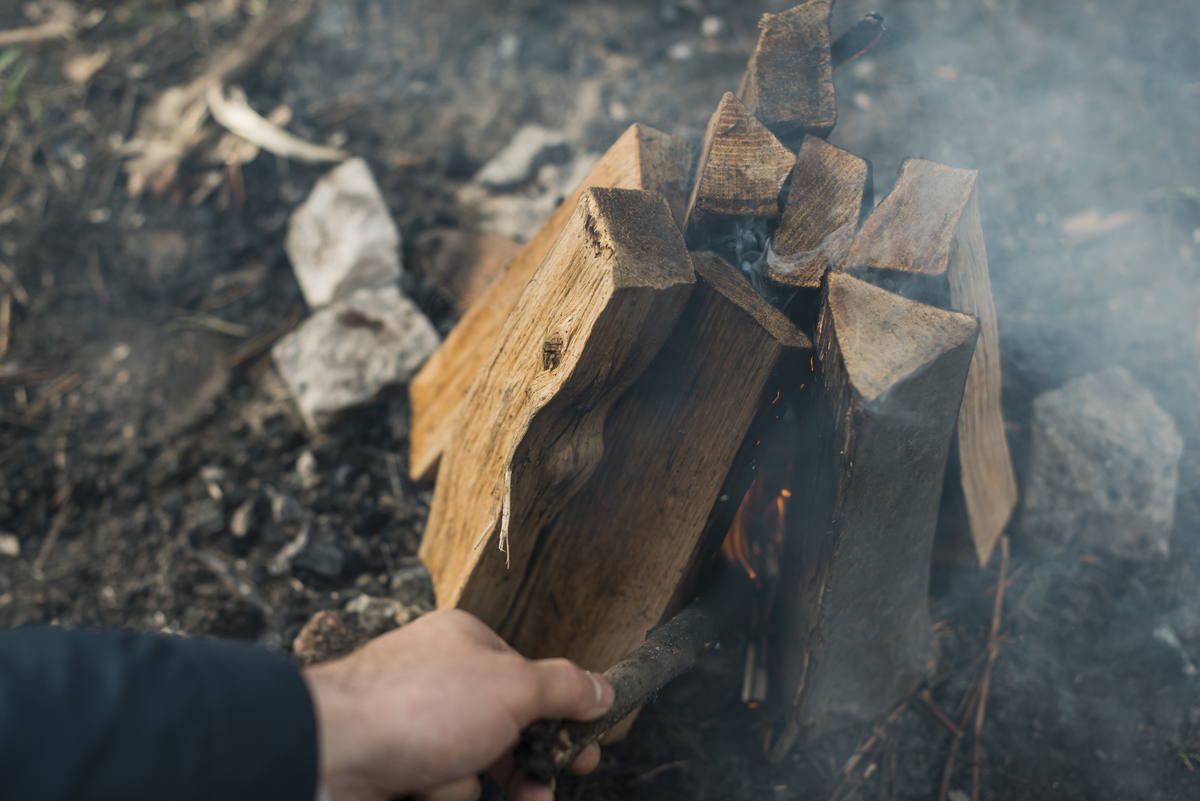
[(552, 351)]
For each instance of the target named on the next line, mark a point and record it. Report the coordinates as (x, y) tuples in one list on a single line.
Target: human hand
[(421, 710)]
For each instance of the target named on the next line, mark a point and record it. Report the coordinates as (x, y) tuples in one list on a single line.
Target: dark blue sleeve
[(91, 715)]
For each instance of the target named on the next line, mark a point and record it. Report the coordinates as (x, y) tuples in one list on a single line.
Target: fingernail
[(604, 690)]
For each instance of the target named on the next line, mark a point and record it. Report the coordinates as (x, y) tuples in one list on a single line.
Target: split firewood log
[(741, 171), (853, 634), (925, 241), (830, 193), (642, 158), (788, 83), (609, 565), (529, 432)]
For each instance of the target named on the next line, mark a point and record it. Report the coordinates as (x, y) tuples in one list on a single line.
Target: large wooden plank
[(529, 433), (788, 82), (609, 565), (852, 629), (642, 158), (925, 241)]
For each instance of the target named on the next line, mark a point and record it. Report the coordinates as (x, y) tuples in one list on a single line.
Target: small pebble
[(10, 545)]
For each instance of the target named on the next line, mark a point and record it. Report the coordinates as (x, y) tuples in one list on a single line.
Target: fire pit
[(954, 485)]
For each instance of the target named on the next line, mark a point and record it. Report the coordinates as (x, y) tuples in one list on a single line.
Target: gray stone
[(342, 238), (377, 615), (343, 355), (1103, 468), (323, 558), (203, 518), (413, 586), (530, 148)]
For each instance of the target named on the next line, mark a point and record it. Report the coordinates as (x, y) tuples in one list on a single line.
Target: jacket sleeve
[(90, 715)]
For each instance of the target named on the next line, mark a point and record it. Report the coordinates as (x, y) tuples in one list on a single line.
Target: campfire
[(742, 366)]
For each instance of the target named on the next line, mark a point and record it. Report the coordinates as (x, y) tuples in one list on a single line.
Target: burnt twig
[(857, 39), (548, 747)]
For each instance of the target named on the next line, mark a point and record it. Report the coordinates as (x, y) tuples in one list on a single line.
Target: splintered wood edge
[(729, 281), (657, 160), (893, 337), (617, 221), (798, 37), (912, 229), (733, 121)]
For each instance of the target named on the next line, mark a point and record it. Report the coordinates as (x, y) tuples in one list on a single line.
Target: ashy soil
[(154, 467)]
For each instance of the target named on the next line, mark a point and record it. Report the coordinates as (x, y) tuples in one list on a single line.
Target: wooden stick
[(5, 322), (547, 748), (936, 711), (530, 432), (948, 772), (986, 682), (875, 737), (642, 158)]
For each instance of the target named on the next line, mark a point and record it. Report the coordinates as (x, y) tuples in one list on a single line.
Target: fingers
[(567, 691), (464, 789), (587, 760)]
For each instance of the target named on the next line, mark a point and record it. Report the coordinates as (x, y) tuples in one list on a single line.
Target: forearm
[(88, 714)]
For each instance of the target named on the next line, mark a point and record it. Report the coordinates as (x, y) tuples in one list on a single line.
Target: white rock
[(1103, 468), (344, 354), (342, 238), (377, 615), (10, 545), (530, 148), (520, 215)]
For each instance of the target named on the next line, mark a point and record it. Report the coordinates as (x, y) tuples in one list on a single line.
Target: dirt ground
[(140, 413)]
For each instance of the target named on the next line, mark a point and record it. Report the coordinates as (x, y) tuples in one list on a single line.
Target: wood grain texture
[(741, 170), (642, 158), (925, 240), (989, 486), (610, 563), (788, 83), (529, 434), (829, 193), (853, 602)]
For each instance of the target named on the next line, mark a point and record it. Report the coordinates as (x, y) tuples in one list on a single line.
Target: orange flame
[(767, 519)]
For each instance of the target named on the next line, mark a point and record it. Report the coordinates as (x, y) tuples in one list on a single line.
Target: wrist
[(333, 709)]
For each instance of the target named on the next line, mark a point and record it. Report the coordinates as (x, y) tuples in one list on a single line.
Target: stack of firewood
[(596, 417)]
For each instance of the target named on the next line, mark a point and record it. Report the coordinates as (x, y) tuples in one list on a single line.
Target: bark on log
[(924, 240), (788, 83), (609, 564), (741, 171), (830, 193), (642, 158), (528, 435), (852, 614)]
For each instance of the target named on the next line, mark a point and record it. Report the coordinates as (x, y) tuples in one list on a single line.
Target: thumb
[(568, 691)]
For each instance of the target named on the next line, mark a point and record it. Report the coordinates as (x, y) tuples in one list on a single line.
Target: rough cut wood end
[(788, 83)]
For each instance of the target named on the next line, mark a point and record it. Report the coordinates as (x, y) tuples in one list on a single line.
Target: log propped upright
[(788, 83), (610, 563), (529, 433), (854, 634), (642, 158), (924, 240)]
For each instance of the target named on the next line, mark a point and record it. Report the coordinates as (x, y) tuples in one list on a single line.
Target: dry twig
[(986, 682), (235, 114), (61, 25), (52, 393)]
